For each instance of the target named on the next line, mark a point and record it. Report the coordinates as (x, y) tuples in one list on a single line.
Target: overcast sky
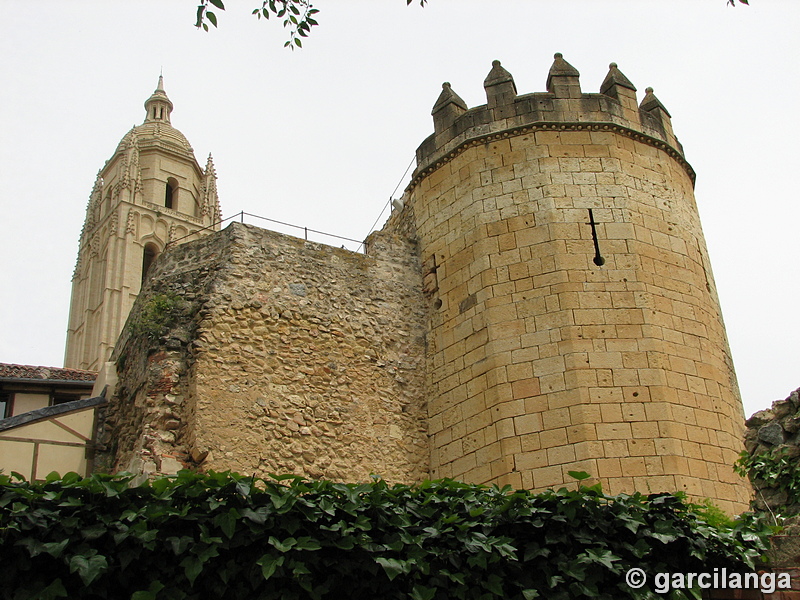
[(321, 137)]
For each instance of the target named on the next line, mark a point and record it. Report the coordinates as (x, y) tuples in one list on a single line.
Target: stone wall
[(776, 429), (543, 360), (283, 356)]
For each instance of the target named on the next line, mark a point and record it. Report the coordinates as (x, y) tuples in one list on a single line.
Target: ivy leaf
[(227, 522), (55, 549), (392, 566), (307, 543), (284, 546), (269, 564), (89, 566), (180, 544), (54, 590), (421, 592), (218, 4), (192, 567), (150, 593), (603, 557)]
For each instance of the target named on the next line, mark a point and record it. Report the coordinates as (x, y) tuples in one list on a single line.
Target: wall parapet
[(562, 107)]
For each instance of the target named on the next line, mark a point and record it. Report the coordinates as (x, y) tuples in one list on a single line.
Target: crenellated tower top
[(572, 313), (562, 106)]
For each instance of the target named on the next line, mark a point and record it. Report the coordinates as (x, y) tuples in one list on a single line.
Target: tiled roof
[(9, 371)]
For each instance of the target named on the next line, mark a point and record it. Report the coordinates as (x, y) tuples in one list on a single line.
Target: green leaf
[(218, 4), (151, 592), (88, 566), (579, 475), (284, 546), (307, 543), (243, 488), (212, 18), (192, 567), (269, 563), (54, 590), (94, 531), (420, 592), (227, 522), (393, 567), (55, 549), (180, 544)]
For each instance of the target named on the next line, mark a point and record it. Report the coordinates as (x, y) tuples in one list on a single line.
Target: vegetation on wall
[(776, 471), (160, 311), (223, 535)]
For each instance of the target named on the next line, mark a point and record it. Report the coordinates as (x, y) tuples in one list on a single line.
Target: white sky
[(321, 137)]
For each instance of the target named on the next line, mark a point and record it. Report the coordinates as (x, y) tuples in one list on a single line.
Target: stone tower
[(151, 192), (573, 320)]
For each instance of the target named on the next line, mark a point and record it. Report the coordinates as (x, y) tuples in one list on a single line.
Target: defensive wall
[(262, 353), (541, 303)]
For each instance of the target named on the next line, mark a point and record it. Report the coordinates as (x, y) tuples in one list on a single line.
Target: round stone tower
[(574, 323)]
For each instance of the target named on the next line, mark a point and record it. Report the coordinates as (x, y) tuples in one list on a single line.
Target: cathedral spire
[(210, 202), (158, 106)]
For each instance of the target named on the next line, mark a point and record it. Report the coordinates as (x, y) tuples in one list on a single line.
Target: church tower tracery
[(152, 191)]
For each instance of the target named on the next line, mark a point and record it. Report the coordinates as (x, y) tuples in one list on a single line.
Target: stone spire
[(448, 106), (158, 106), (619, 87), (563, 79), (615, 80), (499, 86), (652, 112), (210, 204), (652, 104)]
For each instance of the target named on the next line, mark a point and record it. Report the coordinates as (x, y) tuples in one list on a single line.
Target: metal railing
[(242, 214)]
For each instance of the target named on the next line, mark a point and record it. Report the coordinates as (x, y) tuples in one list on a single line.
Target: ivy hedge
[(223, 535)]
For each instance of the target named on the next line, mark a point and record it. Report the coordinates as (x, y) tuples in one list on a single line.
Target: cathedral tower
[(151, 192), (574, 323)]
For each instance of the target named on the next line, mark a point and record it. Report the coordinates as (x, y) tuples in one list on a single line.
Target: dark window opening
[(171, 194), (149, 255), (61, 398), (5, 406)]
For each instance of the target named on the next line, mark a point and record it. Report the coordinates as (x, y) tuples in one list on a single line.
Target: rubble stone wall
[(776, 430), (284, 356)]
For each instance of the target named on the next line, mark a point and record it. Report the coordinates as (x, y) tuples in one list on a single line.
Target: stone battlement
[(563, 107)]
